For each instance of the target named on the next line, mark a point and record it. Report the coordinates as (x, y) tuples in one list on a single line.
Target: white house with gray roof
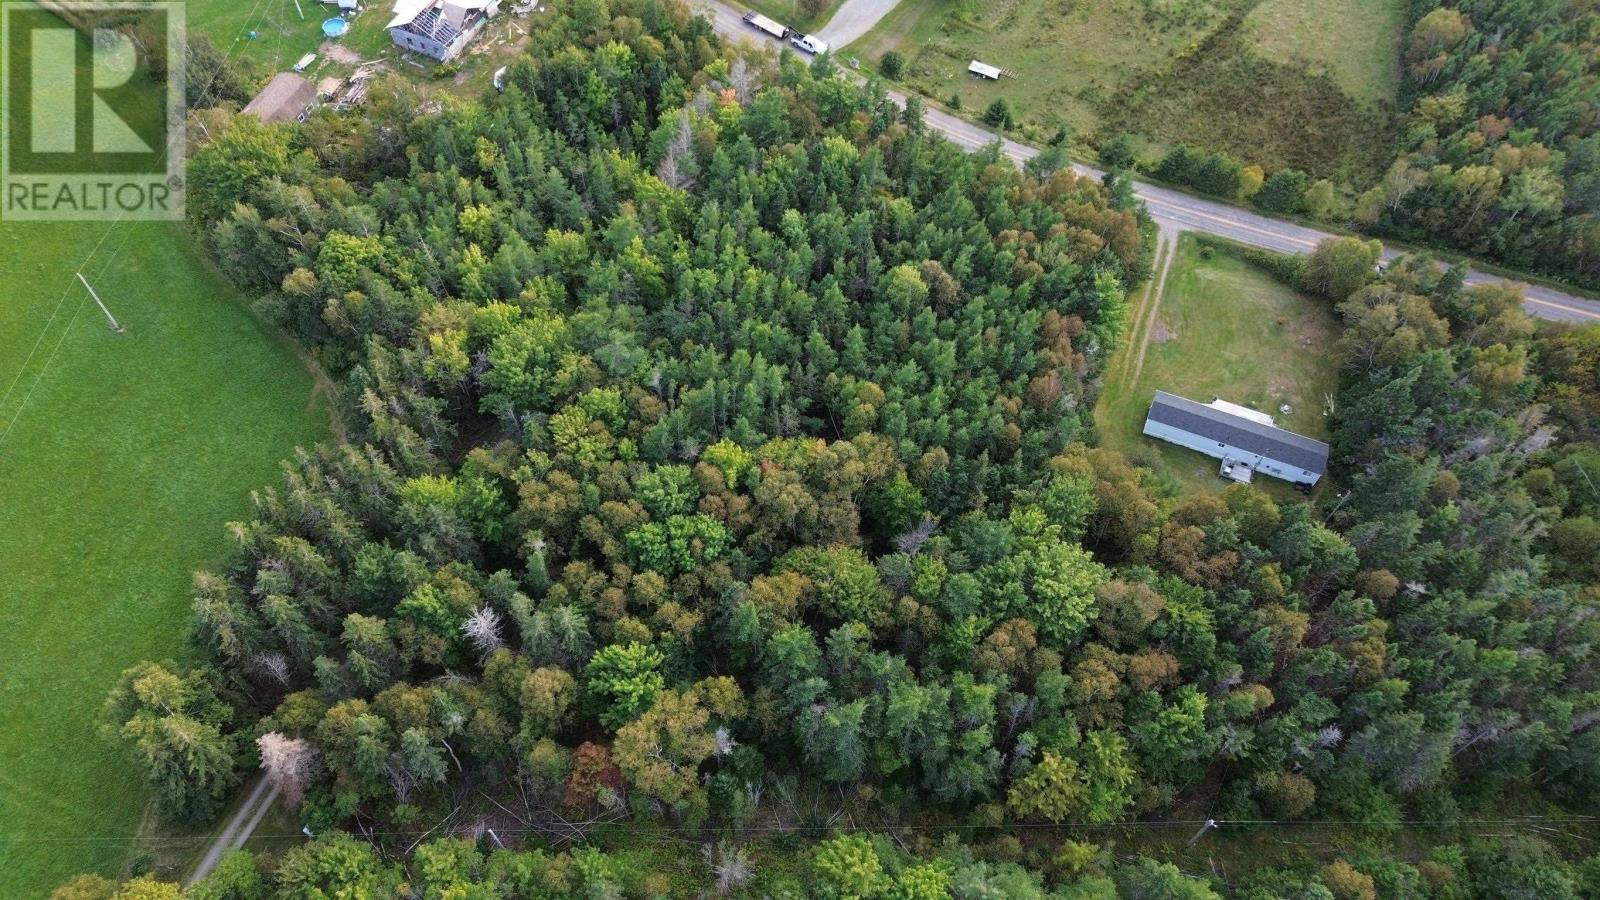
[(1238, 436)]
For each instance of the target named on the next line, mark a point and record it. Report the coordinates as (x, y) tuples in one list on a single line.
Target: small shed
[(984, 70), (1247, 441), (285, 99)]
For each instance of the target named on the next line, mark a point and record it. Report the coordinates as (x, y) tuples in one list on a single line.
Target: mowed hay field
[(122, 458), (1304, 83), (1069, 57), (1355, 42), (1217, 327)]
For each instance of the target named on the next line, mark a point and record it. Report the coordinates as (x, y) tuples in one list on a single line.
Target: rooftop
[(1243, 432), (284, 98), (430, 16)]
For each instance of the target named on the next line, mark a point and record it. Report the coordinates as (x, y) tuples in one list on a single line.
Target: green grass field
[(1219, 328), (1069, 56), (1362, 54), (122, 457), (281, 35), (1274, 82)]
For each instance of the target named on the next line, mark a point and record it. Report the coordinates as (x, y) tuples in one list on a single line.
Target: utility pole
[(1343, 496), (1210, 824), (110, 319)]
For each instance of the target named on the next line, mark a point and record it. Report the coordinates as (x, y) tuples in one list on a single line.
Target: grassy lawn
[(1222, 329), (1274, 82), (282, 37), (122, 457)]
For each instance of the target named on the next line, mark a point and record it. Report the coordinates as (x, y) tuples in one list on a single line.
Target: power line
[(1512, 822), (65, 332), (65, 292), (94, 251), (39, 379)]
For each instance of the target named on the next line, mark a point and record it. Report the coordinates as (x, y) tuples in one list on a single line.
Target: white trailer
[(984, 70), (762, 23)]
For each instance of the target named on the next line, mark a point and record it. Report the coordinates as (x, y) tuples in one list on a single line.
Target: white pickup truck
[(809, 43)]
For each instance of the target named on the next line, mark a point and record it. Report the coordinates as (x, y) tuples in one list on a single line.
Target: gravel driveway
[(853, 19)]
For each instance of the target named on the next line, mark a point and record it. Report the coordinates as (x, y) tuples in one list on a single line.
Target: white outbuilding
[(984, 70)]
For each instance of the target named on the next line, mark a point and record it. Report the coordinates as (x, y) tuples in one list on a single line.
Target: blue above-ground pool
[(335, 27)]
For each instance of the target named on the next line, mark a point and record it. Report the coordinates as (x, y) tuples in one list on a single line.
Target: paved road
[(853, 19), (239, 828), (1171, 209)]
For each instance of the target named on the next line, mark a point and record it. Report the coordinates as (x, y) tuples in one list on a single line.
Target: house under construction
[(440, 28)]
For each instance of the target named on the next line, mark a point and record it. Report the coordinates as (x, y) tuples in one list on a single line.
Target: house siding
[(413, 41), (1219, 450)]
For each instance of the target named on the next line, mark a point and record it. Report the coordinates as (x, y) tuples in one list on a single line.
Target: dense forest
[(858, 865), (719, 462), (1499, 152)]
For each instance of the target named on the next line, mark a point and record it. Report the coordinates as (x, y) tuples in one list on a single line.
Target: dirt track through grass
[(1165, 242)]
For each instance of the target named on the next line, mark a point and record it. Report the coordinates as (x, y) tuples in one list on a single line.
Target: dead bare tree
[(730, 863), (482, 628), (677, 164), (274, 665), (911, 542), (289, 763), (743, 80)]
